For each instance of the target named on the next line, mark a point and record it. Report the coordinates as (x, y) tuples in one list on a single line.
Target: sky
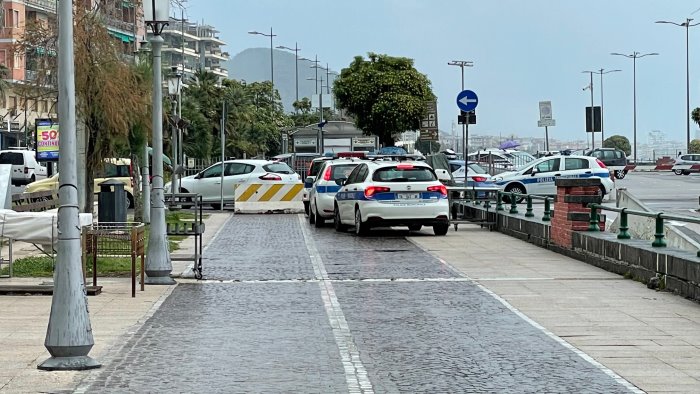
[(523, 52)]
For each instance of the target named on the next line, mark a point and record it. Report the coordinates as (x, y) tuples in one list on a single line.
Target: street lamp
[(634, 56), (272, 60), (174, 90), (320, 121), (158, 264), (145, 176), (296, 66), (590, 87), (687, 26), (601, 72), (465, 127), (69, 334)]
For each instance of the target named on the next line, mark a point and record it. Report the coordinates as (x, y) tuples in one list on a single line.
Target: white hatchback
[(392, 193), (538, 177), (324, 187)]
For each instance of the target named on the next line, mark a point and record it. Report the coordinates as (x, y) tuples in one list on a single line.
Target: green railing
[(659, 237), (513, 197)]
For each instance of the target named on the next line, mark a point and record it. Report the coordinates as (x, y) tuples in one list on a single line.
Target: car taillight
[(439, 189), (600, 163), (26, 170), (371, 191), (479, 179), (270, 177), (327, 174)]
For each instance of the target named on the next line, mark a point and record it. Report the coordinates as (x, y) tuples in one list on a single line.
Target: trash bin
[(111, 202)]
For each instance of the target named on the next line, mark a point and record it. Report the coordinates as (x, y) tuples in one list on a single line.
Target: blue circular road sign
[(467, 100)]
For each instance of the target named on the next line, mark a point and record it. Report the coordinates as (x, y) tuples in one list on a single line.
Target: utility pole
[(465, 126), (69, 333)]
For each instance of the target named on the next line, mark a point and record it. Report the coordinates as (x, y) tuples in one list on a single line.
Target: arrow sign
[(467, 100)]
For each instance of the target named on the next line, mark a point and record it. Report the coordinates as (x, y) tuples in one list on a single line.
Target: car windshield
[(14, 158), (342, 171), (278, 168), (404, 174), (476, 168)]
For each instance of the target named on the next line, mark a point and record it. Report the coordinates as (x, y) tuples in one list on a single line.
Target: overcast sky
[(523, 52)]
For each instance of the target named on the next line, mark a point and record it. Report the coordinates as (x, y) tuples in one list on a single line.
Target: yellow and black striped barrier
[(272, 192)]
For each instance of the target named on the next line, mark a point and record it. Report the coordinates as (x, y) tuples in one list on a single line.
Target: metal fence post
[(499, 201), (528, 210), (546, 217), (593, 224), (624, 227), (659, 241), (513, 204)]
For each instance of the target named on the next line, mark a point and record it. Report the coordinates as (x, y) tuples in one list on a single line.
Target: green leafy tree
[(303, 105), (694, 146), (427, 147), (695, 116), (385, 95), (619, 142)]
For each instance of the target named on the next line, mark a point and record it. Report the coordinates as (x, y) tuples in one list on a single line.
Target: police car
[(314, 167), (538, 177), (391, 193), (323, 189)]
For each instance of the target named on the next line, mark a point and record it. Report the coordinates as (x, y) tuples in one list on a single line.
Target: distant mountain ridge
[(253, 65)]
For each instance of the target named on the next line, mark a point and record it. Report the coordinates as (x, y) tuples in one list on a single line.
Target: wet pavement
[(291, 308)]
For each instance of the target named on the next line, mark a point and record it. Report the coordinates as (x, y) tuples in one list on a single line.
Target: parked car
[(324, 188), (538, 178), (25, 168), (314, 167), (391, 193), (119, 169), (614, 159), (685, 164), (476, 175), (207, 183)]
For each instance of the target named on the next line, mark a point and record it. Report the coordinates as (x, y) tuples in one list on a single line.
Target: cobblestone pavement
[(336, 314)]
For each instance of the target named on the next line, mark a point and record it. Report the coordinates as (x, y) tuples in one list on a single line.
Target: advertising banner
[(46, 140)]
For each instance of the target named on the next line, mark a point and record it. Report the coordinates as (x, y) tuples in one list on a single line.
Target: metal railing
[(529, 212)]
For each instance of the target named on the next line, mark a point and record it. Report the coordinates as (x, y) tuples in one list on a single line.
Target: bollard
[(499, 201), (513, 204), (659, 241), (593, 225), (624, 227), (528, 210), (487, 204), (546, 217)]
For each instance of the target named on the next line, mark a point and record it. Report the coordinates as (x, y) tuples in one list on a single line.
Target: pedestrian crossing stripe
[(268, 192)]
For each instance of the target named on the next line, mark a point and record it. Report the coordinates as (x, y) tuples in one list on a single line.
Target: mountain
[(253, 65)]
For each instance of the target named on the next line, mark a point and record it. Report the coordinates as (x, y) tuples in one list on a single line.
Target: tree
[(619, 142), (385, 95), (694, 146), (427, 147), (695, 116)]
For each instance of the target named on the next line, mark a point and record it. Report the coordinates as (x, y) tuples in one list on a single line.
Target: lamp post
[(590, 87), (320, 119), (634, 56), (316, 67), (174, 90), (465, 127), (145, 176), (687, 26), (158, 264), (69, 333), (272, 60), (296, 67)]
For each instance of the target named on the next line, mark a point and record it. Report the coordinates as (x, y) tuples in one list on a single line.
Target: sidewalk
[(113, 314), (650, 338)]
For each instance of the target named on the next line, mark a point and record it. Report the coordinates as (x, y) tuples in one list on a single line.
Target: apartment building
[(191, 46), (17, 113)]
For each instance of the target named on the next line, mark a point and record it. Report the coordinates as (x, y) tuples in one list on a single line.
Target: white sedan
[(392, 193), (323, 190), (236, 172), (538, 177)]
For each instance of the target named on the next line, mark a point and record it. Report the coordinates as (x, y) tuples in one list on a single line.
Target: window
[(576, 164), (477, 169), (238, 169), (14, 158), (15, 18), (278, 168), (408, 174), (111, 170), (355, 174), (342, 171), (548, 165), (13, 102), (455, 167), (212, 172)]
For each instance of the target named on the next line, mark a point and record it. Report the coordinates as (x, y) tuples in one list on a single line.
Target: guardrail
[(529, 213)]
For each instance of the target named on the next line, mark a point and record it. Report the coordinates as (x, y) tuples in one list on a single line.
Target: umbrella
[(510, 144), (166, 159)]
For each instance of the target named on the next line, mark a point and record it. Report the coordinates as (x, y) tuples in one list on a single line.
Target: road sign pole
[(546, 138)]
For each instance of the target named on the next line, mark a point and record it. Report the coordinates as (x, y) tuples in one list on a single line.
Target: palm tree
[(695, 116)]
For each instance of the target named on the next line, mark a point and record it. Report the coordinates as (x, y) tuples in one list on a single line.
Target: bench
[(35, 201)]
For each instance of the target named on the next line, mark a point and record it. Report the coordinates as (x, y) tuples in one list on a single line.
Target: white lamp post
[(174, 88), (158, 264)]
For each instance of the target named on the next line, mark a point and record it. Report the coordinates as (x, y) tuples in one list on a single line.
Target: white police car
[(392, 193), (323, 189), (538, 177)]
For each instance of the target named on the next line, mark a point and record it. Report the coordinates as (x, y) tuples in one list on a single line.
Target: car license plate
[(408, 196)]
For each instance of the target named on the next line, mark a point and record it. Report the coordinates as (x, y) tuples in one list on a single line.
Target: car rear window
[(395, 174), (278, 168), (16, 159), (342, 171), (477, 168), (316, 167)]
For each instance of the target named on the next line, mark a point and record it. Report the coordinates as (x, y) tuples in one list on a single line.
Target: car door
[(235, 175), (208, 183), (543, 175), (348, 193), (575, 167)]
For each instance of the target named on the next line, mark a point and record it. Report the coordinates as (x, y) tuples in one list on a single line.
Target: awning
[(122, 36)]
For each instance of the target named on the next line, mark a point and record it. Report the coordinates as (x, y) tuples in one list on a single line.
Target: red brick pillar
[(570, 208)]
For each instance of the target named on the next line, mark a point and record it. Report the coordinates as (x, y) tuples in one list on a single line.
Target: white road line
[(533, 323), (355, 373)]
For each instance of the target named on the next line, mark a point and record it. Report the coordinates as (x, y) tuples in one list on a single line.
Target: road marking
[(355, 373), (622, 381)]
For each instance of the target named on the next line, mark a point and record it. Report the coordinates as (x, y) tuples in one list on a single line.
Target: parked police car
[(538, 177), (324, 187), (391, 193)]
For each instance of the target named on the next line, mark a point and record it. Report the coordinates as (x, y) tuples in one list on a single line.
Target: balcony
[(119, 24), (48, 6)]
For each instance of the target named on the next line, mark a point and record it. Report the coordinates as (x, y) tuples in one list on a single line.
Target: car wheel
[(515, 188), (312, 217), (620, 174), (415, 227), (216, 206), (441, 229), (361, 228), (306, 208), (601, 192), (678, 172), (187, 199), (129, 201), (339, 226), (320, 221), (32, 179)]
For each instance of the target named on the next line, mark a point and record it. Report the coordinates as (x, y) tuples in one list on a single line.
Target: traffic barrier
[(271, 192), (649, 168)]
